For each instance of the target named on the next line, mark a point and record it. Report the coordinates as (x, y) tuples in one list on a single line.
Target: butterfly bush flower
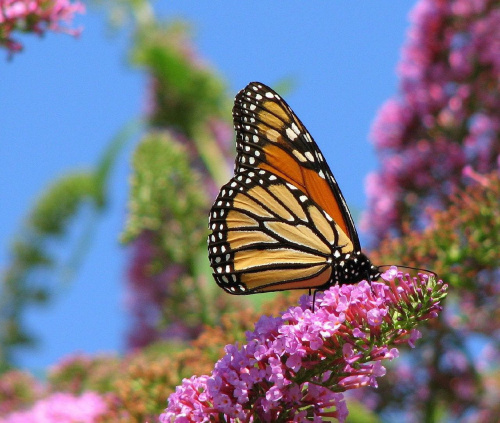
[(185, 110), (445, 116), (296, 367), (36, 16), (62, 408)]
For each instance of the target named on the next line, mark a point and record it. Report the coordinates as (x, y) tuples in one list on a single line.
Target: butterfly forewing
[(271, 137), (268, 236)]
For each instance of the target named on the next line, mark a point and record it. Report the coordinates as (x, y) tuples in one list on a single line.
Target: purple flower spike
[(444, 117), (295, 368)]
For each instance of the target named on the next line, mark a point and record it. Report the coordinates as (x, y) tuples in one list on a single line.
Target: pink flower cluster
[(295, 367), (36, 16), (18, 388), (446, 115), (62, 408)]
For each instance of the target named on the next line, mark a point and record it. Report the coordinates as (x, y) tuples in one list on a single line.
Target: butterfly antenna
[(410, 267)]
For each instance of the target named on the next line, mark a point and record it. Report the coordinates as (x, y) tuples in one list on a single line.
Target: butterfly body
[(281, 222)]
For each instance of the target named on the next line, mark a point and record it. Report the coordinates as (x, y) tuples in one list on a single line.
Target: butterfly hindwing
[(271, 137), (267, 236)]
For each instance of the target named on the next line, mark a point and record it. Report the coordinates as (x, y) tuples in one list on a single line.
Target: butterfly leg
[(314, 298)]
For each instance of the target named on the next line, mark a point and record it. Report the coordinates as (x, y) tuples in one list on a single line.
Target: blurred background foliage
[(37, 268), (180, 320)]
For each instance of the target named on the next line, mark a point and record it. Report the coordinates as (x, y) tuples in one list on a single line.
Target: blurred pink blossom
[(445, 116), (37, 16), (62, 408)]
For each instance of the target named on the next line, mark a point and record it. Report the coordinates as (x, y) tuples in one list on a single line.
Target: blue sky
[(62, 100)]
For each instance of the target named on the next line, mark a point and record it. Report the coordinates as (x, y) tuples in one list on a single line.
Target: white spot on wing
[(291, 134)]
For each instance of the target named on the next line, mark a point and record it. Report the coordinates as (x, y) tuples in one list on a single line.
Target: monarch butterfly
[(281, 222)]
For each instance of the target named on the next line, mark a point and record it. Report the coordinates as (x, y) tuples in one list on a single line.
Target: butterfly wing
[(281, 222), (271, 137), (268, 236)]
